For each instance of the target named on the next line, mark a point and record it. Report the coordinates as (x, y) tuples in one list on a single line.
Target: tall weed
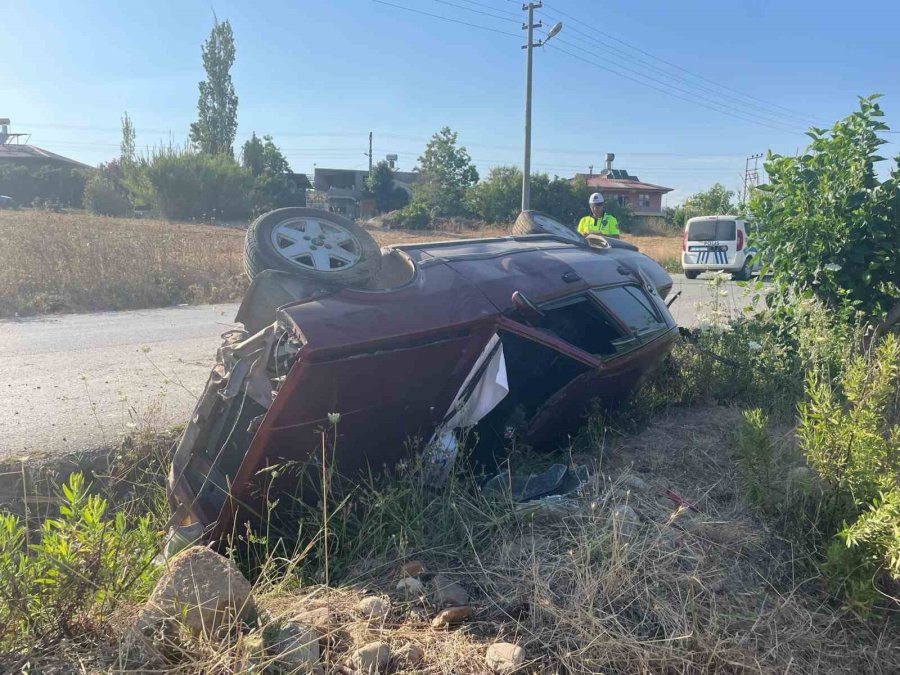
[(65, 580)]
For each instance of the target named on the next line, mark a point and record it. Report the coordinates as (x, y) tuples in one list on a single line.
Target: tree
[(712, 202), (447, 172), (381, 185), (127, 146), (828, 225), (262, 156), (216, 126)]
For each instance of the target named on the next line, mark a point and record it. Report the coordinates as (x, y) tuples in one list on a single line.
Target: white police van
[(713, 243)]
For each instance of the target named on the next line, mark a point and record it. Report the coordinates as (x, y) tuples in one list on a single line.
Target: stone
[(411, 588), (201, 589), (295, 647), (410, 655), (624, 521), (634, 482), (372, 658), (448, 593), (505, 657), (452, 615), (413, 568), (319, 618), (251, 653), (373, 608)]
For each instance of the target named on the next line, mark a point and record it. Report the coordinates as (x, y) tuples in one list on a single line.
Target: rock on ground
[(624, 521), (373, 608), (448, 593), (295, 648), (411, 588), (413, 568), (201, 589), (410, 655), (372, 658), (452, 615), (504, 657)]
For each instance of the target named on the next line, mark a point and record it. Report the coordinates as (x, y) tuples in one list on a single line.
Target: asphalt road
[(79, 382)]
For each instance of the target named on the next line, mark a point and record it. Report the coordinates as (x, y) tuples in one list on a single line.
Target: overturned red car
[(511, 337)]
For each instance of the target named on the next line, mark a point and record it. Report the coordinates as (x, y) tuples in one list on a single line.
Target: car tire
[(745, 272), (535, 222), (691, 274), (278, 240)]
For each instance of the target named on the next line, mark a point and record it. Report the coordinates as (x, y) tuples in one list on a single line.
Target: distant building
[(342, 190), (14, 151), (644, 199)]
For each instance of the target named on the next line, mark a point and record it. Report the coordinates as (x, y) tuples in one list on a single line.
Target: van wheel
[(744, 274), (691, 274)]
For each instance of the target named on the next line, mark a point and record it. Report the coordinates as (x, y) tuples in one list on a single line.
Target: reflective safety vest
[(605, 225)]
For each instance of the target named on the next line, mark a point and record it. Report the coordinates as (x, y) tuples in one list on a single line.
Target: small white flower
[(334, 418), (723, 293), (833, 267), (754, 346)]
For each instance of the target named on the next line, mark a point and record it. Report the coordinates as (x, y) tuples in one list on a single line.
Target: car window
[(581, 322), (711, 230), (632, 307)]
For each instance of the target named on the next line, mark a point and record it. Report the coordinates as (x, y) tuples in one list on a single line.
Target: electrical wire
[(446, 18), (476, 11), (672, 65), (767, 113), (709, 105)]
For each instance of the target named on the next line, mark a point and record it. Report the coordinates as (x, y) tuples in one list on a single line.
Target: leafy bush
[(187, 185), (54, 184), (381, 187), (850, 433), (82, 565), (829, 225), (102, 196)]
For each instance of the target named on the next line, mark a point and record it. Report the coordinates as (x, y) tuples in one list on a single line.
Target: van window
[(711, 230)]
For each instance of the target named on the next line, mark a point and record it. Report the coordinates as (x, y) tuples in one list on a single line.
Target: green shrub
[(76, 570), (828, 223), (415, 215), (187, 185), (101, 196), (53, 184)]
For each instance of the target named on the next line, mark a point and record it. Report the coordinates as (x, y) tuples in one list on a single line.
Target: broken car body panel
[(408, 367)]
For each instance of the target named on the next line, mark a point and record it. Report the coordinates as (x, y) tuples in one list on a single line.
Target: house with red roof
[(644, 199)]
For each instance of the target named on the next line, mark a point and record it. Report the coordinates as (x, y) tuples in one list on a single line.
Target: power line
[(713, 107), (446, 18), (768, 112), (477, 11), (674, 65)]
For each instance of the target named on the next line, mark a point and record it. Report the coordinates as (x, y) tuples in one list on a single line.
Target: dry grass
[(703, 588), (64, 262), (75, 262)]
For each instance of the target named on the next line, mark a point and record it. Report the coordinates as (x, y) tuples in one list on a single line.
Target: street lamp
[(530, 26)]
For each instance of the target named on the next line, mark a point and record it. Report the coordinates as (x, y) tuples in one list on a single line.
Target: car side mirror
[(530, 311)]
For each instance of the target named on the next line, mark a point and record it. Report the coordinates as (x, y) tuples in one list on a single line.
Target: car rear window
[(711, 230), (632, 306)]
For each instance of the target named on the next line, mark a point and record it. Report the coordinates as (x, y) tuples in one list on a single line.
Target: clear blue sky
[(320, 75)]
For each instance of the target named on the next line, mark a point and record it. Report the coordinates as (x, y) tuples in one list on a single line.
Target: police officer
[(599, 222)]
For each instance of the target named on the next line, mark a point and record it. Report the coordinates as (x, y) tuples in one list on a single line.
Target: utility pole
[(751, 175), (369, 154), (529, 47)]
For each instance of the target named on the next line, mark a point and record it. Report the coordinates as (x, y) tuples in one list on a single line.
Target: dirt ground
[(659, 566)]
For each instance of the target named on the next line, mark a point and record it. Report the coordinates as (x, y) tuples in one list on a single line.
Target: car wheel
[(691, 274), (311, 243), (535, 222), (744, 273)]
